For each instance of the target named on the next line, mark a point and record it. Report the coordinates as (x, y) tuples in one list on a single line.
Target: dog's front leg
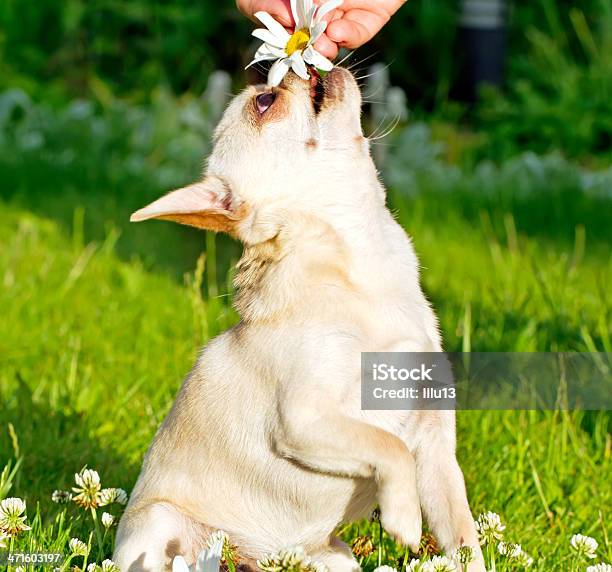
[(313, 432), (441, 486)]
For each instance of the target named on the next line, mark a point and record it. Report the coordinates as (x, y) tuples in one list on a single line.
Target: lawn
[(101, 321)]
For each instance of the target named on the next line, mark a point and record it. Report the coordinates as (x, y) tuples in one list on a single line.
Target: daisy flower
[(12, 516), (489, 527), (293, 51), (87, 489), (78, 547), (584, 545), (111, 495)]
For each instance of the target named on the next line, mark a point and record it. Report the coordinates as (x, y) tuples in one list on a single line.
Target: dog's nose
[(293, 82)]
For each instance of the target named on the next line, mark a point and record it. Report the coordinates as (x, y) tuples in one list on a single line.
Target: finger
[(326, 47), (280, 10), (355, 28), (389, 6)]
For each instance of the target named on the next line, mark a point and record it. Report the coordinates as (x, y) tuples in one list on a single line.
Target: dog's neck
[(276, 278)]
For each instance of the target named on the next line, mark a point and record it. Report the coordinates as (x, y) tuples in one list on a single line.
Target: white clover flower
[(209, 559), (439, 564), (20, 569), (87, 489), (109, 566), (293, 559), (61, 497), (584, 545), (107, 519), (463, 555), (93, 567), (78, 547), (413, 566), (293, 51), (217, 546), (489, 527), (515, 552), (601, 567), (509, 549), (12, 516), (112, 495), (524, 560), (218, 538), (385, 568)]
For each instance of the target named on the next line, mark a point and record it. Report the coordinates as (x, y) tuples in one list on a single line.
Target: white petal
[(302, 13), (314, 58), (327, 8), (266, 52), (277, 71), (275, 27), (298, 65), (308, 10), (316, 32), (296, 11), (269, 38), (179, 564)]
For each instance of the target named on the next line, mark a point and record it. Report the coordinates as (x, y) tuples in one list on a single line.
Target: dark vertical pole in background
[(482, 45)]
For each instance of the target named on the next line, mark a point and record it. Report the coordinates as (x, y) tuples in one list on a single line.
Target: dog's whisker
[(387, 131)]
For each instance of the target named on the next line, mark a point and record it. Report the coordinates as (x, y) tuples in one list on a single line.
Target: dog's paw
[(403, 523)]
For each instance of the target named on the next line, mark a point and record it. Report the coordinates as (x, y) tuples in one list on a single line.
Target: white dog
[(267, 440)]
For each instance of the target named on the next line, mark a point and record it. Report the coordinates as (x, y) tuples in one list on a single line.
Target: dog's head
[(293, 148)]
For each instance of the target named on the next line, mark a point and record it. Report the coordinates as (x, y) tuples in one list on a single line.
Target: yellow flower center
[(298, 41)]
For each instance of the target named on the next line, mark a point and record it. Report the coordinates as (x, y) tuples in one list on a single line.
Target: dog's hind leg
[(150, 536)]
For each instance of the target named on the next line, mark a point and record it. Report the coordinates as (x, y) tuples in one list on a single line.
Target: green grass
[(93, 347), (101, 319)]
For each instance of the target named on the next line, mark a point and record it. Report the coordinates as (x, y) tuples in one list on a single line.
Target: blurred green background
[(104, 105)]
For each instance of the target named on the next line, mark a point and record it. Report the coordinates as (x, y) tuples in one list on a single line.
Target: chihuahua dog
[(267, 440)]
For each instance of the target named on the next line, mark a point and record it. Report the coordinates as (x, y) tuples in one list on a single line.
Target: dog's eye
[(263, 101)]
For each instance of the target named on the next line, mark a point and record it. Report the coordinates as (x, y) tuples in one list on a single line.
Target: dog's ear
[(208, 204)]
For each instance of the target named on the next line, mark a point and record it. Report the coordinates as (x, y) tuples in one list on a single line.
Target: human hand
[(351, 25)]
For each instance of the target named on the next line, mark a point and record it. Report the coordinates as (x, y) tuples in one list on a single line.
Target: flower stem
[(491, 549), (11, 548), (380, 543), (66, 563), (94, 516)]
